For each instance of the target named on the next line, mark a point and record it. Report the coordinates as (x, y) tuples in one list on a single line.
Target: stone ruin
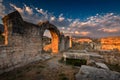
[(23, 41)]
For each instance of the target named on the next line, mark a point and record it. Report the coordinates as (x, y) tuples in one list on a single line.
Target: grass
[(73, 62)]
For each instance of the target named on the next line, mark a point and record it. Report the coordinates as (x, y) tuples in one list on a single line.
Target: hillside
[(109, 43)]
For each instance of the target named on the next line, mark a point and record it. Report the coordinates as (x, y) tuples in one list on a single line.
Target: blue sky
[(71, 8), (73, 17)]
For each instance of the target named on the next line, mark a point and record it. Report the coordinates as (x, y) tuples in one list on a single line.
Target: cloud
[(2, 9), (29, 10), (28, 13), (97, 26), (52, 18), (41, 11), (23, 10), (69, 19), (84, 33), (109, 30), (77, 32), (61, 18), (17, 8), (35, 15), (75, 23), (94, 26)]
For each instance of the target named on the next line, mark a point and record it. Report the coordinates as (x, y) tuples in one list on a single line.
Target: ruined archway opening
[(46, 39), (50, 41)]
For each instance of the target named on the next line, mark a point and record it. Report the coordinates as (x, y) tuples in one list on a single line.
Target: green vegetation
[(76, 62), (73, 62)]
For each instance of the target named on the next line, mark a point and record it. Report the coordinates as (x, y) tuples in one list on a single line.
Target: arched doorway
[(55, 35), (47, 39)]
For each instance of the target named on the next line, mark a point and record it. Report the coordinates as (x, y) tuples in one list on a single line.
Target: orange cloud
[(76, 32), (84, 33)]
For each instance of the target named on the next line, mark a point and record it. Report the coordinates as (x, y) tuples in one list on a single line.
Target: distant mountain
[(1, 28)]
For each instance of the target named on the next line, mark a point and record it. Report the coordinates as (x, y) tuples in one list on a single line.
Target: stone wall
[(67, 42), (23, 41)]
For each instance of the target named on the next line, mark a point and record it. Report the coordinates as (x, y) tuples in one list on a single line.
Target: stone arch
[(55, 34), (23, 41)]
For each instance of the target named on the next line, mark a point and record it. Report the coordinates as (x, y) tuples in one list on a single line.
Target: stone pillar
[(70, 42), (67, 42), (62, 43)]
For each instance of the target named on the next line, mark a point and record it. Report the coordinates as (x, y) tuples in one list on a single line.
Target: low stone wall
[(83, 55)]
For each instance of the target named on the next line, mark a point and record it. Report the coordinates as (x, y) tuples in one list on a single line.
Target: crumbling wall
[(55, 33), (23, 41)]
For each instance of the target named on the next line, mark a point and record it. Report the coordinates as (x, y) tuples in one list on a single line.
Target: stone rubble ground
[(95, 69), (92, 73), (101, 65), (50, 69)]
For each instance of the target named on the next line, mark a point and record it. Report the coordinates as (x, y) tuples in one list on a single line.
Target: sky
[(92, 18)]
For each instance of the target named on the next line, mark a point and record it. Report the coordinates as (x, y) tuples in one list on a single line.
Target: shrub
[(74, 62)]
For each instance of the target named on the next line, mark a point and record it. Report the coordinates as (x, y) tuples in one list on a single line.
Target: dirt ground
[(50, 69)]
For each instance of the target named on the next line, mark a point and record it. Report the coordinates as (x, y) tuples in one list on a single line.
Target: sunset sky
[(93, 18)]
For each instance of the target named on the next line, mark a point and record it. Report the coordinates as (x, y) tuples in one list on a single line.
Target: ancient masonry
[(23, 41)]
